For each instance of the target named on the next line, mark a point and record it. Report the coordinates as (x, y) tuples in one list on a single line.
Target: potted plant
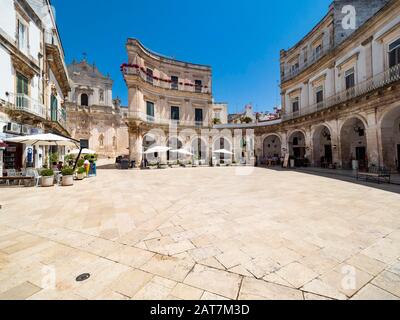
[(67, 177), (80, 173), (47, 177)]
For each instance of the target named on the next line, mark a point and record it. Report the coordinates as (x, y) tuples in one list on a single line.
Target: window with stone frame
[(174, 82), (319, 94), (295, 104), (22, 35), (350, 80)]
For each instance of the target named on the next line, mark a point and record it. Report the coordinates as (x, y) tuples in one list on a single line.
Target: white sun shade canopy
[(157, 149), (223, 151), (183, 152), (47, 139)]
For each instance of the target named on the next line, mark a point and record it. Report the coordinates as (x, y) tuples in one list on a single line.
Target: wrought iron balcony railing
[(22, 102), (312, 57), (380, 80), (160, 82), (164, 121)]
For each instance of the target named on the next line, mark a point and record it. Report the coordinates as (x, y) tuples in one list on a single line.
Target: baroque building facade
[(171, 105), (33, 79), (340, 91), (93, 114)]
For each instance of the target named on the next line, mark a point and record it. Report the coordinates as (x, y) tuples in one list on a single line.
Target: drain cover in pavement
[(83, 277)]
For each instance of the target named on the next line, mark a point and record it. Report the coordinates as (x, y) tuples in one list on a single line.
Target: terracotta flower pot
[(48, 181), (67, 181)]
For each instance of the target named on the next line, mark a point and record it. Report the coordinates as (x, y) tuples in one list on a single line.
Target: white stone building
[(33, 78)]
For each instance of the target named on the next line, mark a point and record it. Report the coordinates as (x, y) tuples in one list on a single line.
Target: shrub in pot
[(80, 173), (67, 177), (47, 177)]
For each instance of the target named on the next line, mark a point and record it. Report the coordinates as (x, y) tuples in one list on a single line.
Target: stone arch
[(175, 143), (199, 148), (272, 146), (222, 142), (389, 126), (353, 142), (322, 145), (297, 144)]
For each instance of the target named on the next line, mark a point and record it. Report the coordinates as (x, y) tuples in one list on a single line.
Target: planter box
[(80, 176), (48, 181), (67, 181)]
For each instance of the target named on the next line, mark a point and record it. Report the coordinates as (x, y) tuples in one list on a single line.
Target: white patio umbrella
[(84, 151), (182, 152), (223, 151), (157, 149), (47, 139)]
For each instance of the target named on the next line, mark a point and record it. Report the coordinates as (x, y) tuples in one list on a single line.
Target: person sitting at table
[(55, 166), (60, 166)]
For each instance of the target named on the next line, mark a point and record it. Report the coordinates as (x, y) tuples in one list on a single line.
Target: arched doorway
[(199, 149), (149, 141), (84, 100), (223, 143), (390, 132), (175, 144), (322, 147), (297, 147), (272, 147), (272, 150), (353, 144)]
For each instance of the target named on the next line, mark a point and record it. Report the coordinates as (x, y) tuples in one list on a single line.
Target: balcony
[(164, 121), (312, 57), (135, 70), (55, 57), (389, 76), (24, 103), (59, 116)]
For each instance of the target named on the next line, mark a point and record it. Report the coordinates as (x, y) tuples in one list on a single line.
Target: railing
[(163, 121), (164, 83), (312, 57), (23, 102), (378, 81), (58, 116)]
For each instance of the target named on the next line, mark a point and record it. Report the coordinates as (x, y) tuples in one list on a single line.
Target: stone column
[(372, 139), (285, 144), (309, 145), (135, 145), (335, 141)]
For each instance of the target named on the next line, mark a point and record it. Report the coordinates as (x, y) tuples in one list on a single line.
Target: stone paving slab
[(160, 234)]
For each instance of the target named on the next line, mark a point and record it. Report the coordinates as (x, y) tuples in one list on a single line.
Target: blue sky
[(240, 39)]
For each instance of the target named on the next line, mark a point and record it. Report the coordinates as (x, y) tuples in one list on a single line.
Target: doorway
[(328, 153), (360, 157)]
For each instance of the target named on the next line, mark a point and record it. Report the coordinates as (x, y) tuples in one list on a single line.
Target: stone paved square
[(200, 233)]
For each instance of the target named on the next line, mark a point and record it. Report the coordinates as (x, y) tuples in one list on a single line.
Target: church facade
[(93, 114)]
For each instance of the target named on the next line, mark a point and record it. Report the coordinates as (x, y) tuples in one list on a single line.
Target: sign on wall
[(349, 15)]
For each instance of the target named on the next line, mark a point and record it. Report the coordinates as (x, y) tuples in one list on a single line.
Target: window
[(319, 94), (150, 111), (174, 82), (394, 53), (175, 114), (22, 37), (101, 95), (149, 75), (295, 105), (295, 67), (84, 100), (197, 85), (318, 51), (350, 79), (199, 117), (54, 107), (22, 92)]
